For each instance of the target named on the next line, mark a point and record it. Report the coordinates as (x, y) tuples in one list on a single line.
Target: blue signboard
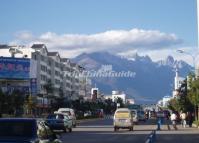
[(23, 89), (14, 68)]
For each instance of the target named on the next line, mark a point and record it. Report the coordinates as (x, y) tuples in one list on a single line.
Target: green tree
[(194, 94), (49, 88), (17, 102), (2, 102), (174, 105), (120, 101), (30, 104), (49, 92), (110, 106), (184, 100), (59, 102)]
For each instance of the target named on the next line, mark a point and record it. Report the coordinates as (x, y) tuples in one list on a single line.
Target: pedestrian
[(183, 119), (173, 120), (168, 115), (189, 119), (149, 115)]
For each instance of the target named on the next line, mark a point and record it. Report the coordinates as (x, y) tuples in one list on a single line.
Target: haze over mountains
[(152, 81)]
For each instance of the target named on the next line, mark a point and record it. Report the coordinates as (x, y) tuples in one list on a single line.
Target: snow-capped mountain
[(152, 80)]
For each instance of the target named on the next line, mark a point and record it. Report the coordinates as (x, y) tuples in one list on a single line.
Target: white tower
[(176, 80)]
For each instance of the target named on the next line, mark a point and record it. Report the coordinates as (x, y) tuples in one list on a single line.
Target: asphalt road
[(101, 131), (182, 135)]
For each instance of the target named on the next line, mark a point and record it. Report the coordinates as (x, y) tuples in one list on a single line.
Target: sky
[(149, 27)]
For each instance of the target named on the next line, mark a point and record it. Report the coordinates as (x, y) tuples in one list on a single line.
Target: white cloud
[(115, 41), (24, 35), (162, 54)]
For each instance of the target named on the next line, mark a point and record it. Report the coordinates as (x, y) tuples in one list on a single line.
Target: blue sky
[(90, 17)]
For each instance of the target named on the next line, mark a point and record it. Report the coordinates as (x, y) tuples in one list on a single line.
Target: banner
[(14, 68)]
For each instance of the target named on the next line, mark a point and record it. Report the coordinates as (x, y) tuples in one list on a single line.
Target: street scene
[(108, 71), (102, 131)]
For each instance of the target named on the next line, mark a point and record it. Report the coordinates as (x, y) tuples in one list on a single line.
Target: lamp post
[(195, 71), (193, 59)]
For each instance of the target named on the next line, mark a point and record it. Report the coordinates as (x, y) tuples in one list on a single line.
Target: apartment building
[(66, 77), (49, 69), (61, 73)]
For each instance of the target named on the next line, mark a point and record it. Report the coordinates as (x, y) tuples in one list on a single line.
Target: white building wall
[(47, 70), (117, 94), (165, 100)]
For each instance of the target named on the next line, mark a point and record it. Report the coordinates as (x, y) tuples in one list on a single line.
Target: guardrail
[(151, 138)]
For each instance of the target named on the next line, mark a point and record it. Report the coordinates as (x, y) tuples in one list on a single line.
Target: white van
[(123, 118), (70, 112)]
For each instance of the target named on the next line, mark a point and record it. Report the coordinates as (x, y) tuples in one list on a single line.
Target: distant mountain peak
[(170, 60), (152, 80)]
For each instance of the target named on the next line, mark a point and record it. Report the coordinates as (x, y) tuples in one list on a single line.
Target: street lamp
[(193, 59), (195, 70)]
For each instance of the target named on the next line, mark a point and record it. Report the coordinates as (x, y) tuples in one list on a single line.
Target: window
[(49, 63), (42, 58), (35, 57), (43, 77)]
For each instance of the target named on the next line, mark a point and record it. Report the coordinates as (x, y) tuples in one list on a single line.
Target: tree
[(120, 101), (174, 105), (49, 91), (17, 102), (2, 102), (110, 106), (60, 101), (49, 88), (194, 94), (30, 104)]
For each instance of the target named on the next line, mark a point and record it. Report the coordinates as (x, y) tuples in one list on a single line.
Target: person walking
[(174, 120), (189, 119), (183, 119), (168, 115)]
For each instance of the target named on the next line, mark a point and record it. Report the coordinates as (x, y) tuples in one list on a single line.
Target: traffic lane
[(182, 135), (104, 135), (102, 131), (177, 138), (98, 122), (109, 121)]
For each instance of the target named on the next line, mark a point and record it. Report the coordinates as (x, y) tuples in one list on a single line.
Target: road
[(101, 131), (182, 135)]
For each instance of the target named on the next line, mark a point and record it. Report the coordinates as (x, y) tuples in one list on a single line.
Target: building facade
[(51, 69), (117, 94)]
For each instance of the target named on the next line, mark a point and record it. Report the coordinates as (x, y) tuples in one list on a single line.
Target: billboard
[(14, 68)]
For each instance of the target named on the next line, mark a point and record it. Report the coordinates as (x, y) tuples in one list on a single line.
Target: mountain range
[(152, 80)]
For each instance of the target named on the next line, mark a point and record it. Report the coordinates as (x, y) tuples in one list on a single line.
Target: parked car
[(59, 121), (71, 113), (141, 115), (19, 130), (123, 118)]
